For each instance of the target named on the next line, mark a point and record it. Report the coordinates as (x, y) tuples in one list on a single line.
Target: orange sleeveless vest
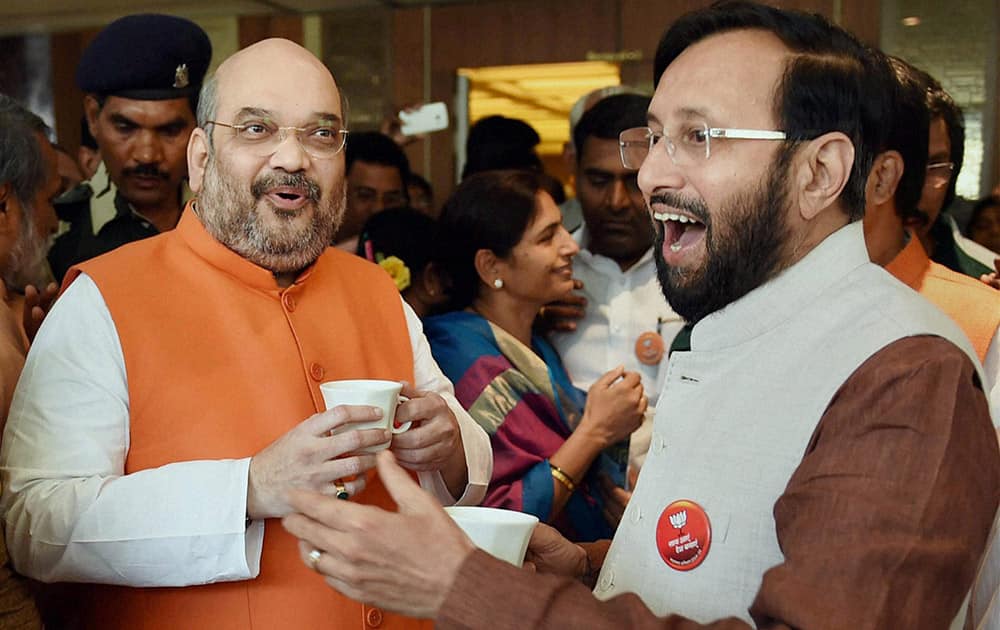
[(221, 362), (974, 306)]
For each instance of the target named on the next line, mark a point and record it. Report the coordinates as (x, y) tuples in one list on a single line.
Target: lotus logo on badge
[(679, 520), (682, 550)]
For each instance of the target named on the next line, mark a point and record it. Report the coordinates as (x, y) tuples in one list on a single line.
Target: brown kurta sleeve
[(881, 525)]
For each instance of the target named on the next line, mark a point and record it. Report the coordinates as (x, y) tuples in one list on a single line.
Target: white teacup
[(375, 393), (503, 534)]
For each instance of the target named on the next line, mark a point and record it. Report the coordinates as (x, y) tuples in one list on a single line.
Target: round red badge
[(683, 535), (649, 348)]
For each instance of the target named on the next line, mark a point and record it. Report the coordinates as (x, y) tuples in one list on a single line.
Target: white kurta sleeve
[(71, 513), (991, 372), (478, 453)]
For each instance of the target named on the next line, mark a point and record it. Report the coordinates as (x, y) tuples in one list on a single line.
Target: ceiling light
[(912, 20)]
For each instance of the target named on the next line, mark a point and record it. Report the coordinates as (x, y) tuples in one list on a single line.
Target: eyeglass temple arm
[(747, 134)]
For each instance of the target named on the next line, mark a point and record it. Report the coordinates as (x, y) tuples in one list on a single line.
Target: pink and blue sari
[(525, 401)]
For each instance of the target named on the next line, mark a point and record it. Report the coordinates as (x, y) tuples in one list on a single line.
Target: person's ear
[(823, 167), (887, 169), (434, 283), (92, 110), (569, 156), (198, 153), (487, 266), (7, 200)]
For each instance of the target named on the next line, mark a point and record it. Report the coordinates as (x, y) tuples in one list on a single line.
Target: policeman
[(140, 76)]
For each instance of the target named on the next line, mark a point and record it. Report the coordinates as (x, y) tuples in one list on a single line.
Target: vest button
[(658, 443), (317, 371), (373, 617), (288, 301), (607, 580)]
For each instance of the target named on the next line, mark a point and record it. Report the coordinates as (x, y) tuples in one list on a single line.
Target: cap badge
[(181, 76)]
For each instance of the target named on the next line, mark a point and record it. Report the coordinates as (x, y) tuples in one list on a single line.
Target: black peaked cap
[(146, 57)]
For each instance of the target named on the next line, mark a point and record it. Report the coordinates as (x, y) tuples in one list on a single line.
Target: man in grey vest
[(821, 457)]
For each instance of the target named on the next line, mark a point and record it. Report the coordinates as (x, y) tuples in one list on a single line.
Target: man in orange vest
[(894, 188), (172, 398)]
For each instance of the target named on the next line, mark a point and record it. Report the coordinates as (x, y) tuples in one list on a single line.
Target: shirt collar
[(787, 294), (107, 205), (911, 264)]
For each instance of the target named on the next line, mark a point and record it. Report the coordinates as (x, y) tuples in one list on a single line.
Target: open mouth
[(288, 197), (680, 231)]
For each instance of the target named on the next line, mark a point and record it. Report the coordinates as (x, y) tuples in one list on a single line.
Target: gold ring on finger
[(342, 492)]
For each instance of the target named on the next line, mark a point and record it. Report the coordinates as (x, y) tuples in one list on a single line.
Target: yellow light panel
[(539, 94)]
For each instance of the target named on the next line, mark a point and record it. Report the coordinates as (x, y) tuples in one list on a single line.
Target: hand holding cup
[(385, 395), (310, 457)]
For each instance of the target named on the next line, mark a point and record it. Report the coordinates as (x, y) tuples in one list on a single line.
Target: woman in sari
[(507, 254)]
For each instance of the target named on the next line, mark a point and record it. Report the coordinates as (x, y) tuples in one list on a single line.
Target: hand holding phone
[(424, 119)]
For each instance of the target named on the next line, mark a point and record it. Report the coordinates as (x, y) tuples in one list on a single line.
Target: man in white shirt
[(626, 320), (171, 399)]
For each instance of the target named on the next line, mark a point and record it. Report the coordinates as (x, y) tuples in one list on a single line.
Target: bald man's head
[(266, 161)]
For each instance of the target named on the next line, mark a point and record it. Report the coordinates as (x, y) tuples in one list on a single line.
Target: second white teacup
[(375, 393), (503, 534)]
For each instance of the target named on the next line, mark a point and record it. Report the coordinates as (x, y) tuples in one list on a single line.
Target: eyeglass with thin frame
[(262, 137), (692, 145), (939, 173)]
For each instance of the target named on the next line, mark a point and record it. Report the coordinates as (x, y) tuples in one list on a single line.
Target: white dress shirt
[(71, 513), (621, 306)]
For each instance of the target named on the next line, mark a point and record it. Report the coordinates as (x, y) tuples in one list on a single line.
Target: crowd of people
[(746, 375)]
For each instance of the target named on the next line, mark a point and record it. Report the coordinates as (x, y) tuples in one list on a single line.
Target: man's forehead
[(51, 157), (600, 152), (148, 112), (733, 73), (278, 76), (375, 175)]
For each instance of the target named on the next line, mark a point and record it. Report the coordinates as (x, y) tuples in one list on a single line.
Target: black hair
[(943, 106), (489, 210), (980, 208), (405, 233), (554, 186), (86, 138), (609, 117), (21, 161), (413, 179), (500, 143), (832, 82), (376, 148), (908, 134)]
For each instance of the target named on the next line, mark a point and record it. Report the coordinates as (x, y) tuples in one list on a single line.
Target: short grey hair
[(207, 101), (21, 161)]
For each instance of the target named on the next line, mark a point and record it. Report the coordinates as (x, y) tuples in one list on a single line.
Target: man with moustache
[(159, 425), (626, 320), (29, 181), (140, 77), (894, 187), (937, 230), (822, 456), (377, 170), (26, 276)]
